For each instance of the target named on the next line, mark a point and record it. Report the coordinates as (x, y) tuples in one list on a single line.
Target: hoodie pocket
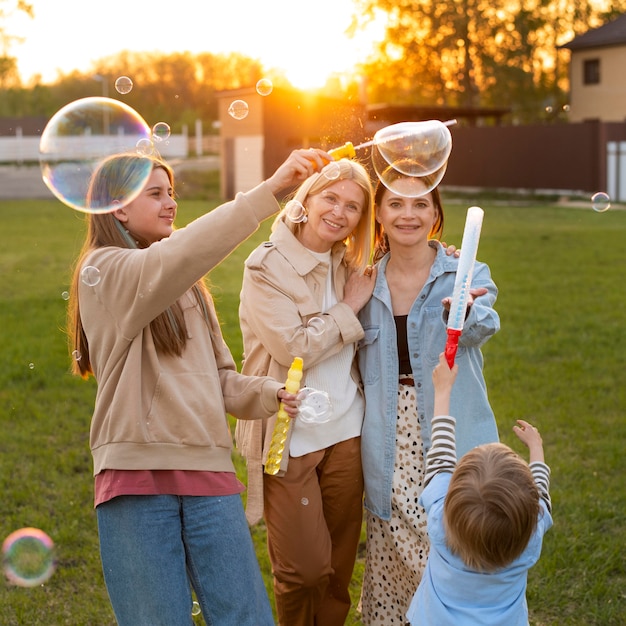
[(187, 409)]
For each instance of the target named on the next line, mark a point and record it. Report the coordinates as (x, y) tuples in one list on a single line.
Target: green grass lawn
[(558, 361)]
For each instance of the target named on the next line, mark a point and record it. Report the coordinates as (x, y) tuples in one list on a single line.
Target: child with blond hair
[(487, 515)]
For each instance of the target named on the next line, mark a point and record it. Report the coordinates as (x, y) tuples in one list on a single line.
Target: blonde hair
[(359, 243), (112, 180), (491, 508)]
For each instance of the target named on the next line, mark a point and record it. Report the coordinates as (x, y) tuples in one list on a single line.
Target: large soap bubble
[(415, 149), (79, 137)]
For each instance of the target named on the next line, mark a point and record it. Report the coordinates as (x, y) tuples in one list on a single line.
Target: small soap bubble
[(76, 355), (65, 295), (304, 501), (295, 211), (31, 366), (332, 171), (161, 131), (600, 202), (315, 406), (145, 146), (238, 109), (264, 87), (90, 275), (28, 557), (195, 608), (123, 85), (316, 325)]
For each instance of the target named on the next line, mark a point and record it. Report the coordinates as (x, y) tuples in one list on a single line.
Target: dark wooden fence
[(583, 157), (562, 157)]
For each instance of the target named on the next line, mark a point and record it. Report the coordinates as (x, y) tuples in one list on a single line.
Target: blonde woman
[(300, 297)]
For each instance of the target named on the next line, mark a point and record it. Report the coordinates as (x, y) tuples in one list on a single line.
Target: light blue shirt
[(426, 335), (450, 594)]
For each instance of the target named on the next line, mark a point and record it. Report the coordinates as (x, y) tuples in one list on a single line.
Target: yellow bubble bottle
[(283, 421)]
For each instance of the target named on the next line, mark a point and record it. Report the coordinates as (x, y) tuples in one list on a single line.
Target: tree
[(8, 64), (176, 88), (476, 52)]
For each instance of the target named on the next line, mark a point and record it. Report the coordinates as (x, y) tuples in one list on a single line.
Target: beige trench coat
[(283, 288)]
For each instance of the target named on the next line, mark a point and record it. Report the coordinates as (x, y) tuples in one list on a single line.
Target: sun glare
[(338, 58), (307, 48), (309, 76)]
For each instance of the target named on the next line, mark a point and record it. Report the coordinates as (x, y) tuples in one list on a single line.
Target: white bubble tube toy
[(462, 283)]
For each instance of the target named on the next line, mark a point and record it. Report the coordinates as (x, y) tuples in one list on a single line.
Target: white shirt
[(332, 375)]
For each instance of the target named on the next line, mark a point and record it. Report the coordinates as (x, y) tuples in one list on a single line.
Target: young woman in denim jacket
[(405, 331)]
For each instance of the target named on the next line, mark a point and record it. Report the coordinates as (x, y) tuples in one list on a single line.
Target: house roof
[(610, 34)]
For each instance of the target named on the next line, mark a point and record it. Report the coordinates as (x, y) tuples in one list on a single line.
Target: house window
[(591, 69)]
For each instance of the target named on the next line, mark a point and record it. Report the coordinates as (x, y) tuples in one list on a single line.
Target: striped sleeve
[(541, 474), (441, 457)]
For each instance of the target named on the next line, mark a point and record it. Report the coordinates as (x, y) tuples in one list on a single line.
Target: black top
[(404, 362)]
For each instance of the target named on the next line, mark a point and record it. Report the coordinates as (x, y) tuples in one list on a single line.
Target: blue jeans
[(153, 547)]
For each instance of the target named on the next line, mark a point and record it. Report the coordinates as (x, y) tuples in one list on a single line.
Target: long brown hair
[(381, 242), (109, 182)]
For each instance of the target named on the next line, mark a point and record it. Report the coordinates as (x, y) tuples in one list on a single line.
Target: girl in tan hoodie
[(142, 322)]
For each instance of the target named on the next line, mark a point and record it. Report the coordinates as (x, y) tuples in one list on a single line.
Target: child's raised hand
[(526, 432), (443, 375), (443, 380), (530, 436)]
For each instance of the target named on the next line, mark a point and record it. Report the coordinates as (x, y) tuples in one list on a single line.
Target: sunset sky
[(306, 39)]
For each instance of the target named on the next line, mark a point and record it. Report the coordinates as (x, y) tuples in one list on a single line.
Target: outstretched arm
[(530, 437), (443, 380), (441, 457)]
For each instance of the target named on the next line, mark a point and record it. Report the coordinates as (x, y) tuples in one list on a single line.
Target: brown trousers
[(313, 515)]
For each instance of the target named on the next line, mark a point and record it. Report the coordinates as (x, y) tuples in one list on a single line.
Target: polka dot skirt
[(397, 549)]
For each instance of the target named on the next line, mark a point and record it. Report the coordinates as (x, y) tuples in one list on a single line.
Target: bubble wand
[(465, 269), (348, 150)]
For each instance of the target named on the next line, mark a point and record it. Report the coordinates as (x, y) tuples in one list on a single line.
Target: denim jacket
[(426, 335)]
